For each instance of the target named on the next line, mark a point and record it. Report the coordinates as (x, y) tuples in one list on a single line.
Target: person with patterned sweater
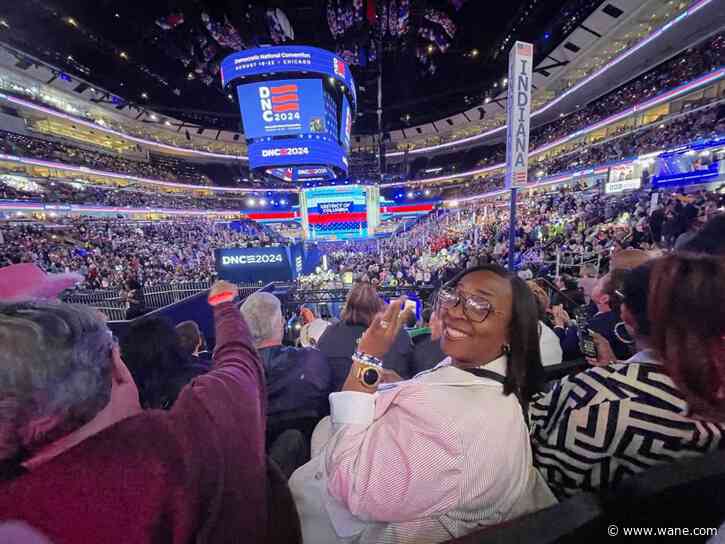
[(601, 426)]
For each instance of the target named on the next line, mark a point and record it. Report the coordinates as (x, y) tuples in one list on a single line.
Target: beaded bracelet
[(365, 359)]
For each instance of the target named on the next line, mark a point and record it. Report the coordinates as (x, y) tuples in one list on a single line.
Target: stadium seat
[(667, 495), (554, 524)]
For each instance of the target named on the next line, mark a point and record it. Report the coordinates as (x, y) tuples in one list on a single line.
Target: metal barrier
[(114, 306)]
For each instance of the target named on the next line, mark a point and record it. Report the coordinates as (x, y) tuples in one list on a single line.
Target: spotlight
[(263, 202), (410, 194), (487, 100), (430, 49), (251, 202), (190, 76), (230, 97), (474, 53), (167, 123), (144, 95), (331, 80), (427, 192), (283, 202), (153, 117), (504, 81), (72, 22), (123, 55)]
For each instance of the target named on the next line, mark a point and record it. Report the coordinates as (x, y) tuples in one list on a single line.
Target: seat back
[(545, 526), (688, 493)]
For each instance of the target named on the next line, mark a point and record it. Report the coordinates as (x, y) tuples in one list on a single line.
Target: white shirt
[(550, 346), (419, 462)]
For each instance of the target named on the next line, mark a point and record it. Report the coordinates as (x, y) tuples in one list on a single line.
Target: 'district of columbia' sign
[(519, 107)]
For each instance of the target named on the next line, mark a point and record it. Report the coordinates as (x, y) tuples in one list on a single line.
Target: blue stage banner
[(297, 151), (286, 107), (286, 59), (254, 264)]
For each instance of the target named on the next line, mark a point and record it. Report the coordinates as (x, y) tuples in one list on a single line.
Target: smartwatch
[(369, 370)]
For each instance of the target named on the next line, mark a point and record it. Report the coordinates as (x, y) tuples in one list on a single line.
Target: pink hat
[(27, 281)]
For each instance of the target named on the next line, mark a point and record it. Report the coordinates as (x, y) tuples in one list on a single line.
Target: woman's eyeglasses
[(475, 308)]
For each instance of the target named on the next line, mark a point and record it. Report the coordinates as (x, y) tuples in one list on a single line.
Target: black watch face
[(371, 376)]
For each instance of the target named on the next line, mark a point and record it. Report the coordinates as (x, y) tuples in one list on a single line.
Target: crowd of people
[(111, 253), (156, 167), (680, 69), (352, 436)]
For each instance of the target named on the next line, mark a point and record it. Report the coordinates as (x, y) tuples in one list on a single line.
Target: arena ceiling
[(438, 57)]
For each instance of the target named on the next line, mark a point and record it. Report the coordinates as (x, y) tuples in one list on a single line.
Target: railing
[(114, 306)]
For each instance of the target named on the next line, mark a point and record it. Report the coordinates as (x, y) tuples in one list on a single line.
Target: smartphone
[(410, 305), (587, 345)]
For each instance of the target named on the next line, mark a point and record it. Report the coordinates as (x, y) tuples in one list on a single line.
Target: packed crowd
[(156, 167), (682, 68), (110, 253), (578, 226), (701, 125), (345, 438)]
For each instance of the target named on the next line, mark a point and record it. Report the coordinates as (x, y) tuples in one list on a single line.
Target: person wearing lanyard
[(435, 457)]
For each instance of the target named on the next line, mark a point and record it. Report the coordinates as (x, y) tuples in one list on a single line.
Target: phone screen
[(587, 345), (410, 305)]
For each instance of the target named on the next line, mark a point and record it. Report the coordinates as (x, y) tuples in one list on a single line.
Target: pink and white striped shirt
[(419, 462)]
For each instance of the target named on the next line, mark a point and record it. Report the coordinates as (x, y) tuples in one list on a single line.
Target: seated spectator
[(158, 362), (437, 456), (710, 239), (569, 296), (549, 345), (340, 340), (311, 332), (687, 317), (192, 341), (609, 422), (427, 352), (605, 322), (298, 379), (81, 462)]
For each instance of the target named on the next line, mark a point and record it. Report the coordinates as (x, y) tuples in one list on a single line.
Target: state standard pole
[(512, 230), (517, 130)]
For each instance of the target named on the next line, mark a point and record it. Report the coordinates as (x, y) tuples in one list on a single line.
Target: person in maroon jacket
[(81, 462)]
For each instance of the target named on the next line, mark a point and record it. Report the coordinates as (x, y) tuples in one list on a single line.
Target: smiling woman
[(435, 457)]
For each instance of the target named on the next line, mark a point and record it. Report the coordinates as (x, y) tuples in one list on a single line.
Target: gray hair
[(263, 313), (56, 360)]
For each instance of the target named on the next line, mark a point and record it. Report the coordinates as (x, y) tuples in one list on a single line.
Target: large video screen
[(337, 213), (286, 107), (345, 124)]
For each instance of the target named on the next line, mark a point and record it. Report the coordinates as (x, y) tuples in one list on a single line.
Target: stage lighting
[(263, 202), (123, 55), (427, 192), (251, 202), (430, 49), (190, 76), (153, 117), (283, 202), (474, 53), (487, 100), (410, 194), (144, 96), (167, 123), (72, 22)]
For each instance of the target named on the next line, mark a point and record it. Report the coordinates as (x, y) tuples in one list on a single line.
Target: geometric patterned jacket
[(602, 425)]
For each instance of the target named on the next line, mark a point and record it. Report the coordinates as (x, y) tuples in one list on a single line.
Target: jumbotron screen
[(337, 213)]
